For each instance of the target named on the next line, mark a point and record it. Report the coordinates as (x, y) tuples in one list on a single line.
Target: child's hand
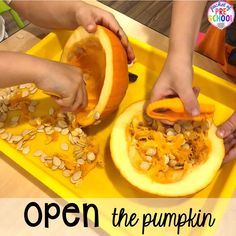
[(228, 131), (176, 80), (69, 15), (64, 80), (90, 16)]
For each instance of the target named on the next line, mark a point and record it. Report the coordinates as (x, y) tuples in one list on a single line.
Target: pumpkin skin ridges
[(120, 74), (204, 173)]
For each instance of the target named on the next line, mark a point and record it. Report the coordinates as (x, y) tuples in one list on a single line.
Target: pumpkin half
[(175, 159), (103, 61)]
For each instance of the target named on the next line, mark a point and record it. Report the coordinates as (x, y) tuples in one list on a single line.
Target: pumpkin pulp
[(167, 152), (89, 55)]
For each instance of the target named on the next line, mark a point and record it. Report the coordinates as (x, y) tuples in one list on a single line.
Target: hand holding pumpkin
[(228, 131), (66, 82), (176, 80)]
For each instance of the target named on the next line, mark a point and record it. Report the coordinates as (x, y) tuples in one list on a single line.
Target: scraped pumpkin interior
[(89, 55)]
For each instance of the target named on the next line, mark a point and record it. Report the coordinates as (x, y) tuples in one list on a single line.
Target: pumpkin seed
[(80, 161), (148, 158), (76, 176), (62, 124), (38, 153), (32, 91), (19, 145), (2, 131), (177, 127), (91, 156), (185, 146), (4, 136), (145, 165), (62, 165), (25, 94), (26, 150), (97, 115), (166, 159), (56, 161), (67, 173), (64, 146), (65, 131), (151, 152), (172, 163)]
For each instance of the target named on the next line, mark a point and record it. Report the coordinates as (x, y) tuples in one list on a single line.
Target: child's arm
[(176, 76), (228, 131), (58, 78), (69, 15)]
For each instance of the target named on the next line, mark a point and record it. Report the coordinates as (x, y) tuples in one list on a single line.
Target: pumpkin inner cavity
[(89, 55), (166, 152)]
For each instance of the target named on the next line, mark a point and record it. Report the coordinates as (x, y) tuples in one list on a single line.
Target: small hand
[(176, 80), (228, 131), (90, 16), (64, 80)]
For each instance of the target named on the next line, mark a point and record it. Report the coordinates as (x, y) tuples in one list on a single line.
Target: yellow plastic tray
[(107, 182)]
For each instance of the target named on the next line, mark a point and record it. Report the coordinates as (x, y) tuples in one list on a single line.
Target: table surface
[(14, 177)]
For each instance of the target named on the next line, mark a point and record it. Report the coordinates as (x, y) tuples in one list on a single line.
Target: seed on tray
[(42, 158), (38, 153), (26, 150), (62, 165), (65, 131), (2, 131), (91, 156), (25, 132), (4, 136), (51, 111), (25, 94), (56, 161), (17, 138), (76, 176), (67, 173), (19, 145), (145, 165), (64, 146), (62, 124), (151, 152), (57, 129)]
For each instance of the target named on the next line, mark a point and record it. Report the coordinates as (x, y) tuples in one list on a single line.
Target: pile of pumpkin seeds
[(54, 123), (190, 133)]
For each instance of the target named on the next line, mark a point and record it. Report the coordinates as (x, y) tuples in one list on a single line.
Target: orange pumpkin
[(176, 159), (103, 60)]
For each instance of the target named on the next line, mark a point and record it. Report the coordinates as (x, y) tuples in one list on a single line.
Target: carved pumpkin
[(167, 159), (103, 61)]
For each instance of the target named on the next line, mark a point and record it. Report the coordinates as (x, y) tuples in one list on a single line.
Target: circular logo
[(221, 14)]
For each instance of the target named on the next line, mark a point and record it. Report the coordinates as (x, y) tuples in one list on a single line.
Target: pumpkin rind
[(116, 72), (204, 173)]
